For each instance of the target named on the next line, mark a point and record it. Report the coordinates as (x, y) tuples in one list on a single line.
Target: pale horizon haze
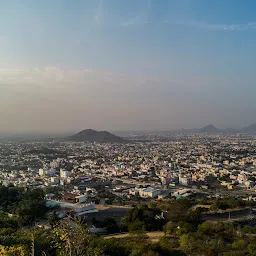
[(126, 65)]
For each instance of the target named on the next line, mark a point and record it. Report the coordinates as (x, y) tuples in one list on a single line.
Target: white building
[(149, 192), (64, 174), (55, 180), (185, 180), (41, 172)]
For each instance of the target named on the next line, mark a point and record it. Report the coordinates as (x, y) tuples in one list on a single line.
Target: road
[(118, 212), (233, 215)]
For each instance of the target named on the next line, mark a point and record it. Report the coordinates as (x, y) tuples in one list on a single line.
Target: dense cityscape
[(100, 184), (192, 160)]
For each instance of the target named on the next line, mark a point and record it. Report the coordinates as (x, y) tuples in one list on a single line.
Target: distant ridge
[(89, 135), (212, 129), (249, 129)]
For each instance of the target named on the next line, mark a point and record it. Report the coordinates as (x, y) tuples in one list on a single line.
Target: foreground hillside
[(180, 231)]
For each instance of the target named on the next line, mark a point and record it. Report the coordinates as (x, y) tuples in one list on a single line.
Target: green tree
[(239, 245), (32, 206), (205, 228), (137, 226), (70, 240), (142, 218), (54, 219), (111, 225), (184, 228), (169, 227), (252, 249), (186, 243), (179, 209)]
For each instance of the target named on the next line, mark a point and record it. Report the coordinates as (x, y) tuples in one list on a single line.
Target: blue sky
[(130, 64)]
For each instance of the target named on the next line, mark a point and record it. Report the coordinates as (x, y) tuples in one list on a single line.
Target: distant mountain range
[(249, 129), (90, 135), (212, 129)]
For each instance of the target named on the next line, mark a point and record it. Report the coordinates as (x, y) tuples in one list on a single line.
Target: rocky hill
[(90, 135)]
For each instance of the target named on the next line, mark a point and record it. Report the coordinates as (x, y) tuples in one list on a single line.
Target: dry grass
[(152, 236)]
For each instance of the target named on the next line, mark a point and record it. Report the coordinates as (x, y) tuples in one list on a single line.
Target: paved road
[(225, 216), (119, 212)]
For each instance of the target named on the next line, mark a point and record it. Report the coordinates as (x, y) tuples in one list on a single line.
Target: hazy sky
[(126, 64)]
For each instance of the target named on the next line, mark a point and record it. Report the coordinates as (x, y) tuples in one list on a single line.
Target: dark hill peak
[(209, 128), (90, 135)]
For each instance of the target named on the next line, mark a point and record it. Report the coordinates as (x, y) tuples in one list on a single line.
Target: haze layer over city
[(128, 128)]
